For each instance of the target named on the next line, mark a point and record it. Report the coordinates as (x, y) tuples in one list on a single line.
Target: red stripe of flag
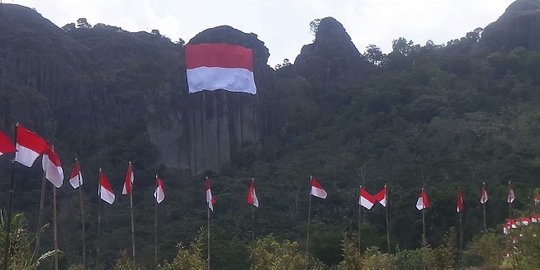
[(218, 55)]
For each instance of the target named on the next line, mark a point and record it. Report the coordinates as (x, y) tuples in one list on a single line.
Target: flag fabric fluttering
[(423, 201), (317, 190), (105, 191), (52, 167), (76, 178), (459, 202), (159, 193), (511, 196), (6, 146), (219, 66), (29, 146), (252, 196), (128, 181), (483, 194), (382, 196), (209, 198), (366, 200)]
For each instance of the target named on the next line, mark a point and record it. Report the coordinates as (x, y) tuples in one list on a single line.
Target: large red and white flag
[(105, 191), (317, 190), (366, 200), (209, 198), (29, 146), (128, 181), (423, 201), (159, 194), (219, 66), (252, 196), (382, 196), (52, 167), (6, 146), (511, 196), (459, 202), (76, 179), (483, 194)]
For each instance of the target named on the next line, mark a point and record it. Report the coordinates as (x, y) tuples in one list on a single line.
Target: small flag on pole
[(6, 146), (423, 201), (209, 198), (537, 199), (159, 194), (511, 196), (366, 200), (382, 195), (252, 196), (459, 202), (128, 181), (52, 167), (29, 146), (483, 194), (105, 191), (317, 190), (76, 178)]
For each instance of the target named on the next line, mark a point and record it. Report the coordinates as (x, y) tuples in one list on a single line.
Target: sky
[(283, 25)]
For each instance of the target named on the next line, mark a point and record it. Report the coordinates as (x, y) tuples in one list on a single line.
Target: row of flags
[(523, 221), (29, 146)]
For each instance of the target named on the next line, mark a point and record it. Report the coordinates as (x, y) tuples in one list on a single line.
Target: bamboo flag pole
[(7, 245), (208, 221), (209, 202), (483, 200), (82, 213), (131, 215), (360, 211), (40, 216), (387, 217), (460, 212), (510, 198), (55, 230), (252, 214), (308, 221), (155, 227), (98, 222)]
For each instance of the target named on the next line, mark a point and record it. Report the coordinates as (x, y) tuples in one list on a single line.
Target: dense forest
[(432, 116)]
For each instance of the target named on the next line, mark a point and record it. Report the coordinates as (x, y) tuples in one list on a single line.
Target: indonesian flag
[(535, 218), (459, 202), (317, 190), (423, 201), (29, 146), (52, 167), (382, 196), (511, 196), (483, 194), (128, 182), (105, 191), (252, 196), (366, 200), (76, 178), (6, 146), (525, 221), (219, 66), (209, 198), (537, 199), (159, 194)]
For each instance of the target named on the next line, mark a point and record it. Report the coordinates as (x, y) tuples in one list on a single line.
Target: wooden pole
[(424, 222), (308, 222), (208, 220), (55, 230), (155, 229), (98, 266), (484, 216), (461, 231), (7, 245), (40, 216), (360, 211), (387, 219), (132, 221), (252, 215), (83, 225)]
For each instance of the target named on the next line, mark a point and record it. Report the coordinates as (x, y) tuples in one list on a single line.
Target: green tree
[(188, 258)]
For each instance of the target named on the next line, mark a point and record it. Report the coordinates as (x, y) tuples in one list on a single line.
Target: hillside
[(438, 116)]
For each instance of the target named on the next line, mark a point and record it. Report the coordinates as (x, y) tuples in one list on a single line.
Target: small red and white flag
[(219, 66), (159, 194), (76, 179), (423, 201), (29, 146), (511, 196), (459, 202), (382, 196), (128, 181), (6, 146), (535, 218), (105, 191), (209, 198), (317, 190), (366, 200), (252, 196), (483, 194), (52, 167), (537, 199), (525, 221)]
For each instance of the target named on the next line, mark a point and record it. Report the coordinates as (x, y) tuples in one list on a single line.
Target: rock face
[(519, 26), (332, 56)]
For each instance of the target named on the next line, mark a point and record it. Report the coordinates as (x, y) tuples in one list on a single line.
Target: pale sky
[(284, 25)]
